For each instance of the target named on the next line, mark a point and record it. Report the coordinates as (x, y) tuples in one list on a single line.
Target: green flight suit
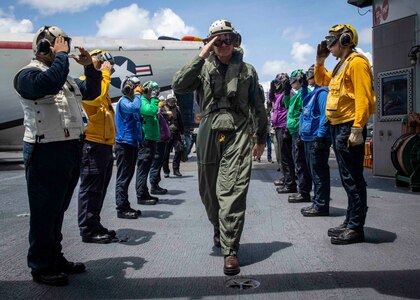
[(223, 140)]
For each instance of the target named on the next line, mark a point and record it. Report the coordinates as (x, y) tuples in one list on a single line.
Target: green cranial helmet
[(296, 75), (151, 89)]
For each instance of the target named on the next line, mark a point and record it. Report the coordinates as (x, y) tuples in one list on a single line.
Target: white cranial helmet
[(44, 39), (170, 97), (221, 27)]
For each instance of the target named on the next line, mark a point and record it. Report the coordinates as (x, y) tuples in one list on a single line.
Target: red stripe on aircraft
[(15, 45)]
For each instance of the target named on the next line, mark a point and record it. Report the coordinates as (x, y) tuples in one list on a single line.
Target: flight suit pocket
[(223, 122), (228, 175)]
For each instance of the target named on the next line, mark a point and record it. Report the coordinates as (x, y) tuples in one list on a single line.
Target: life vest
[(341, 99), (53, 118)]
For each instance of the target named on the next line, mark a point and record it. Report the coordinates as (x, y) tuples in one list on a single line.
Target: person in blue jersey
[(129, 137), (315, 134)]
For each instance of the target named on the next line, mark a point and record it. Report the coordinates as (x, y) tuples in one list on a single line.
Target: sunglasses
[(227, 42)]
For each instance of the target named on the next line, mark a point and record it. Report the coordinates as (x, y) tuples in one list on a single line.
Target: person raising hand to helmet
[(54, 130), (350, 102), (147, 150), (129, 137), (97, 157), (228, 91)]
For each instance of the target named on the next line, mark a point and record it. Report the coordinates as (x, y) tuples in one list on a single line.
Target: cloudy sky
[(278, 36)]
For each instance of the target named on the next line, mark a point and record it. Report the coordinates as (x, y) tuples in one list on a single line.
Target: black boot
[(177, 173), (157, 190), (348, 236)]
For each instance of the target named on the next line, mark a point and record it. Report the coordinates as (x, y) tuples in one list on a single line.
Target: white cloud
[(49, 7), (273, 67), (135, 22), (365, 36), (295, 33), (301, 51), (303, 56), (166, 22), (8, 23), (367, 54)]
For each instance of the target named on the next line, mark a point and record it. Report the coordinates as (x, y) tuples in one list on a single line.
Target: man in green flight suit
[(227, 91)]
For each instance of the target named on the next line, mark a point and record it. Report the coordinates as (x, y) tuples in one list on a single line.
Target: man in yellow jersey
[(350, 102)]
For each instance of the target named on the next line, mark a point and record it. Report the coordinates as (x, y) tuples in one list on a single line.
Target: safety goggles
[(295, 76), (331, 40), (310, 74), (292, 80), (105, 56)]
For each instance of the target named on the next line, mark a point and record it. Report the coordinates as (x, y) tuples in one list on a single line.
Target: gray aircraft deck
[(168, 253)]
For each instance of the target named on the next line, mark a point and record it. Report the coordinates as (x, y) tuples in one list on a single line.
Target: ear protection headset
[(129, 84), (151, 89), (43, 45), (146, 90)]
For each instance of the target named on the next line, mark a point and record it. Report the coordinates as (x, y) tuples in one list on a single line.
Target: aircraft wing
[(155, 60)]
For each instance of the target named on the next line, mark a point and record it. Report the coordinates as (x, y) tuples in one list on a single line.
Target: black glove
[(321, 143), (287, 88), (303, 81), (322, 51), (272, 86)]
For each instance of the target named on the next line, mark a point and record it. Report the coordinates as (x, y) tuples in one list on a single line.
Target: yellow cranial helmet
[(345, 34), (102, 56)]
